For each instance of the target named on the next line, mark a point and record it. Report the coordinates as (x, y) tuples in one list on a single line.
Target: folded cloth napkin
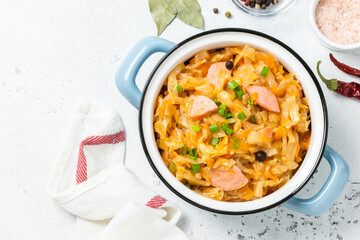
[(91, 182)]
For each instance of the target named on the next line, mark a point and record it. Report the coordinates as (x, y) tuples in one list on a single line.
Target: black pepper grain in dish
[(259, 4), (260, 156), (229, 65), (215, 10)]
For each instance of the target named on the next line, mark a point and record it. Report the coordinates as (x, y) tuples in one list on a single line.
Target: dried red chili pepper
[(351, 89), (345, 68)]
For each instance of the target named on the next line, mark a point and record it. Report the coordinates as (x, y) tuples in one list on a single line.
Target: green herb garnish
[(214, 128), (183, 150), (195, 168), (179, 88), (252, 119), (196, 128), (233, 85), (222, 109), (235, 143), (227, 129), (242, 116), (172, 167), (215, 141), (239, 94), (264, 71)]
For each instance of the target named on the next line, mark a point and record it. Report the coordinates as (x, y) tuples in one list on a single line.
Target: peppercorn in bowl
[(264, 8), (225, 119)]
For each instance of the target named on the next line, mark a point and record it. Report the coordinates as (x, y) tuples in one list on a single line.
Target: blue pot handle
[(126, 74), (325, 198)]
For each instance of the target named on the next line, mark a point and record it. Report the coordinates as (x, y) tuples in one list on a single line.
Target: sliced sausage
[(201, 107), (266, 98), (227, 179), (214, 71)]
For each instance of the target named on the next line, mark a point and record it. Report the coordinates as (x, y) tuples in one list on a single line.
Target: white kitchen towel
[(90, 181)]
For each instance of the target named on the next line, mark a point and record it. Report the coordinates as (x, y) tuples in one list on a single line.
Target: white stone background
[(54, 52)]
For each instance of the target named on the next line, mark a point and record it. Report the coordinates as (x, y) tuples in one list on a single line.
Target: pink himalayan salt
[(339, 20)]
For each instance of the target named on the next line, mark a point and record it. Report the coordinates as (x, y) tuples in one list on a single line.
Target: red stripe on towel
[(156, 202), (81, 170)]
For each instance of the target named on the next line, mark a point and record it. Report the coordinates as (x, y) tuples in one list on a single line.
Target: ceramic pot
[(177, 53)]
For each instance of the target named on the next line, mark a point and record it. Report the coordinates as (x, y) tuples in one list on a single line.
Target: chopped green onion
[(241, 116), (183, 150), (227, 129), (235, 143), (239, 94), (250, 101), (214, 128), (232, 120), (188, 186), (196, 128), (193, 152), (252, 119), (217, 101), (222, 109), (222, 112), (233, 85), (264, 71), (179, 88), (172, 167), (228, 115), (229, 132), (195, 168), (224, 127), (193, 158), (215, 141)]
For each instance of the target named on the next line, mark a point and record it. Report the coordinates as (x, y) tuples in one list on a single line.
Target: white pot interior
[(291, 63)]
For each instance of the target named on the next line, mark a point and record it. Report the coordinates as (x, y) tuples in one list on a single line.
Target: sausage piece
[(228, 179), (214, 71), (266, 98), (201, 107)]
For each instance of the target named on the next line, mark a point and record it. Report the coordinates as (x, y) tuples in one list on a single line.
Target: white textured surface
[(54, 52)]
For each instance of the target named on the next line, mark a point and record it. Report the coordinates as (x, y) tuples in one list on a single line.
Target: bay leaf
[(187, 11), (161, 14)]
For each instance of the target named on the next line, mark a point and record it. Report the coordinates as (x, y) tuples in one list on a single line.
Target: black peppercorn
[(229, 65), (263, 4), (260, 156), (215, 10)]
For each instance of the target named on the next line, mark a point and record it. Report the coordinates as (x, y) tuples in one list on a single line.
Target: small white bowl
[(324, 40)]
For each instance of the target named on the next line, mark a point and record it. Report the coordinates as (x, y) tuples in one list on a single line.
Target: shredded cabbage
[(284, 136)]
